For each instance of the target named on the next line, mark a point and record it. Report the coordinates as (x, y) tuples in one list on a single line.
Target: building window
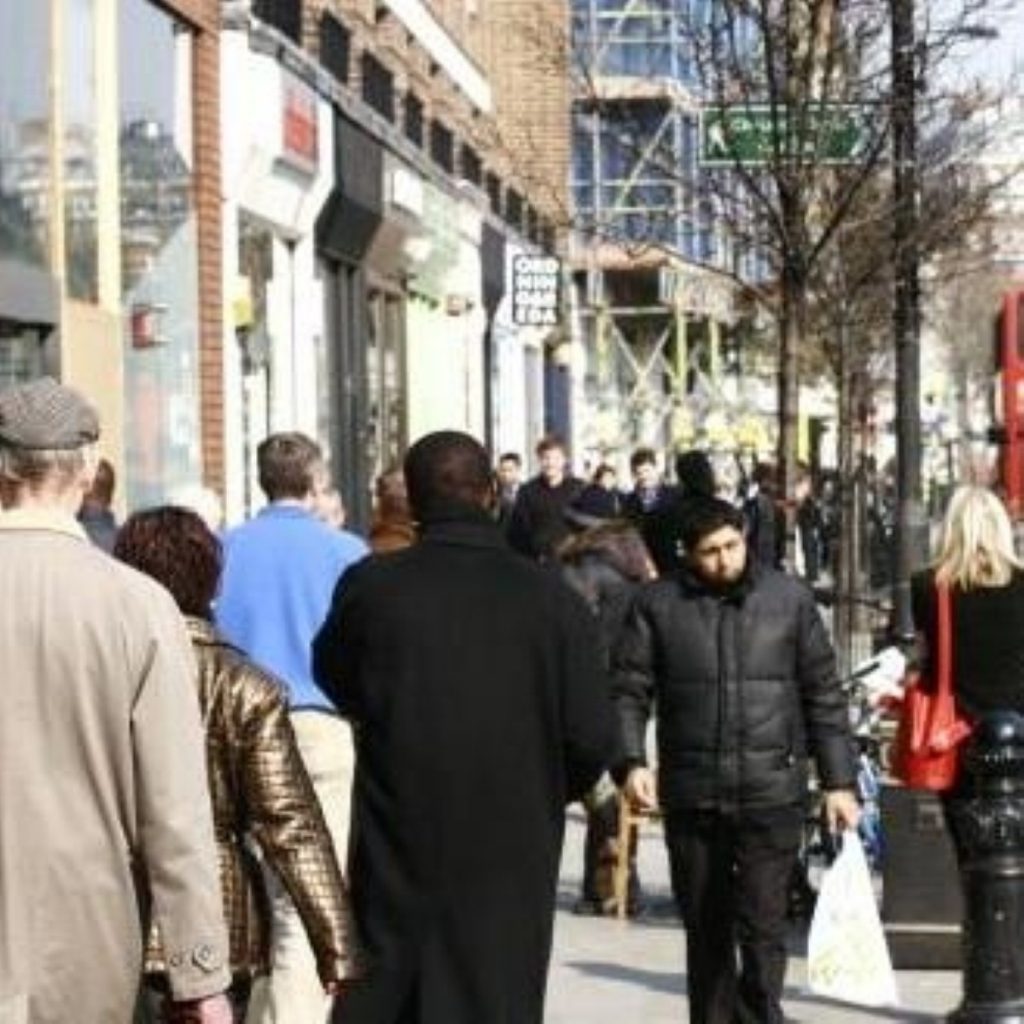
[(414, 120), (24, 133), (472, 168), (81, 242), (442, 146), (514, 209), (533, 225), (159, 254), (547, 237), (284, 15), (335, 46), (492, 185), (378, 86)]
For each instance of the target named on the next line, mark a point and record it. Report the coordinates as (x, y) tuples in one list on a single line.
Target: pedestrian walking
[(260, 790), (662, 523), (537, 525), (766, 520), (392, 527), (474, 683), (604, 563), (508, 478), (985, 578), (104, 808), (280, 570), (96, 514), (737, 661)]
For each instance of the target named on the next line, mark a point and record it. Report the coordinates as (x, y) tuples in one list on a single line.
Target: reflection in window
[(79, 105), (24, 132), (158, 254)]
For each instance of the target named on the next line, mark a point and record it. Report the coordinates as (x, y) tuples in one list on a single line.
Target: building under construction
[(658, 312)]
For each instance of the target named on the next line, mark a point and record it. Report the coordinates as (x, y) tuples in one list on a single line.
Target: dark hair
[(390, 492), (642, 457), (102, 490), (706, 516), (446, 470), (176, 548), (601, 470), (548, 443), (286, 465), (765, 476), (510, 457), (694, 473), (615, 543)]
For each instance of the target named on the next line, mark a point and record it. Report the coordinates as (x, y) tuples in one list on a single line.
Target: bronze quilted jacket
[(262, 798)]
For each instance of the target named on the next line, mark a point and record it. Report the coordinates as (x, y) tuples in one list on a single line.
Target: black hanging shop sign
[(354, 210)]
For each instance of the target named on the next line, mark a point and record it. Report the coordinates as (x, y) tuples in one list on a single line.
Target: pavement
[(608, 972)]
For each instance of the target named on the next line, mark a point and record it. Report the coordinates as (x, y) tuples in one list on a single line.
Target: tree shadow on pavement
[(671, 982)]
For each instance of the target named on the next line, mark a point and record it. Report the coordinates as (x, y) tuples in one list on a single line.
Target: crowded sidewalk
[(608, 972)]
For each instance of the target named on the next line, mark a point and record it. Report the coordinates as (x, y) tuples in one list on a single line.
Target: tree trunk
[(791, 340), (846, 568)]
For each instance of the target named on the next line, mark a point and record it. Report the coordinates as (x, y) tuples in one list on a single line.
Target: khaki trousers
[(293, 994)]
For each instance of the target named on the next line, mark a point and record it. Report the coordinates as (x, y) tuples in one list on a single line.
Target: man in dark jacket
[(738, 662), (537, 525), (662, 525), (480, 708)]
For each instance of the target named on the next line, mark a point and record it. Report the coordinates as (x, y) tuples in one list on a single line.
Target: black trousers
[(730, 875)]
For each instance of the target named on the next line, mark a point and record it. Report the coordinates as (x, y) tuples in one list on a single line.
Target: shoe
[(585, 907)]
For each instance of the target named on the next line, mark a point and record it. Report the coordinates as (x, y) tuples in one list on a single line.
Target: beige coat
[(103, 790)]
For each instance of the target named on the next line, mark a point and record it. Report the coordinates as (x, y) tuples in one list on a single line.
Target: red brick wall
[(204, 17)]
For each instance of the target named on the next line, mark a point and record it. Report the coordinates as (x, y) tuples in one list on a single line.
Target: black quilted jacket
[(745, 687)]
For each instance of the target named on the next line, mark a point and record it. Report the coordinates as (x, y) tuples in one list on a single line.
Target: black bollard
[(988, 823)]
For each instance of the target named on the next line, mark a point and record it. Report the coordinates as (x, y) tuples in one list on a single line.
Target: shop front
[(345, 230), (278, 172)]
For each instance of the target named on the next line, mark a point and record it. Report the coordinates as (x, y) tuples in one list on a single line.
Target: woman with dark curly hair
[(605, 561), (258, 785)]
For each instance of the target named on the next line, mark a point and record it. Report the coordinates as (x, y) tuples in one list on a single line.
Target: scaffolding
[(652, 310)]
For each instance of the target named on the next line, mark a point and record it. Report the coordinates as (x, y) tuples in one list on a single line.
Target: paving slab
[(608, 972)]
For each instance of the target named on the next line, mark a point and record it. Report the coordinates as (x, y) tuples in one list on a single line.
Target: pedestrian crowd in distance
[(280, 773)]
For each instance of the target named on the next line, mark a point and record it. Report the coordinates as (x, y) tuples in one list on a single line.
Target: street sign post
[(756, 135)]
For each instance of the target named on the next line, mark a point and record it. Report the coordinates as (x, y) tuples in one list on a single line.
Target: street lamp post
[(911, 523)]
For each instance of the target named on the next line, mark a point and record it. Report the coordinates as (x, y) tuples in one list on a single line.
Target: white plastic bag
[(847, 956)]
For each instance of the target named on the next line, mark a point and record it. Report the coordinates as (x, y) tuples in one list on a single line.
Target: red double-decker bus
[(1009, 413)]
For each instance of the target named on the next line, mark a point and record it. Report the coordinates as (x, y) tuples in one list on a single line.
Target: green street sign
[(743, 134)]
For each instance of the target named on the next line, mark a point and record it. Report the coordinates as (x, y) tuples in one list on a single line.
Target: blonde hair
[(977, 542)]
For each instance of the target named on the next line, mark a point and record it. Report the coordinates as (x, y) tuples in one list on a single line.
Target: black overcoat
[(480, 708)]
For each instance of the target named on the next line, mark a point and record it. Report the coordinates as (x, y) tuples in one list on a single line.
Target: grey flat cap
[(45, 415)]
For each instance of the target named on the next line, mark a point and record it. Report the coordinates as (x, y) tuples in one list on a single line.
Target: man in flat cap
[(103, 792)]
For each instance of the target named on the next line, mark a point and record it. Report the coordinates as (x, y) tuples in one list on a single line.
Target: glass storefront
[(79, 180), (159, 254), (24, 132)]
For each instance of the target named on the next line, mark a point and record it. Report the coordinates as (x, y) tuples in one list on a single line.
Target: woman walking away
[(978, 565), (259, 787), (605, 563)]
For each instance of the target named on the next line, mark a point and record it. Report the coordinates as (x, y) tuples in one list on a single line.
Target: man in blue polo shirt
[(280, 571)]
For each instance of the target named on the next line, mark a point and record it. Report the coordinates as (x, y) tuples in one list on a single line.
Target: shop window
[(472, 168), (81, 242), (378, 86), (335, 47), (442, 146), (24, 132), (414, 120), (284, 15), (159, 254)]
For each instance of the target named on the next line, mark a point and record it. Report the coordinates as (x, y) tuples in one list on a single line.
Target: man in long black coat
[(480, 708)]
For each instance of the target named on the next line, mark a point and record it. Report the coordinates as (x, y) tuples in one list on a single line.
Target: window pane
[(79, 102), (158, 254), (24, 132)]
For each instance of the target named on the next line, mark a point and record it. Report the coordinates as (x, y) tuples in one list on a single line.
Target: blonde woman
[(986, 580), (978, 563)]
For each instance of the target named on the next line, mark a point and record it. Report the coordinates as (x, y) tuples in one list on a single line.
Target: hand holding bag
[(926, 752), (847, 955)]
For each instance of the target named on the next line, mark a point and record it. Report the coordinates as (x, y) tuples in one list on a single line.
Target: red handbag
[(926, 753)]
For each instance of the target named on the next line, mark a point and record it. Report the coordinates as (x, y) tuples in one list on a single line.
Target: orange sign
[(300, 127)]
